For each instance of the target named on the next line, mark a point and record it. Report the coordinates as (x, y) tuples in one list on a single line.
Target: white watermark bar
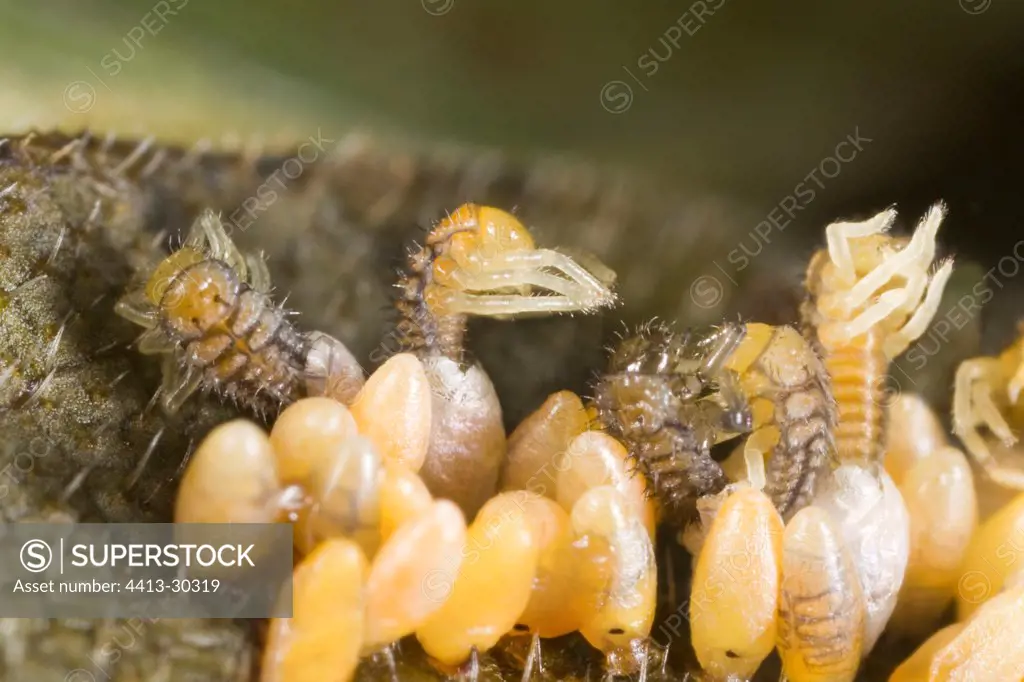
[(145, 570)]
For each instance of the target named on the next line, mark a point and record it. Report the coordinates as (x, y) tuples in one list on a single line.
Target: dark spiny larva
[(660, 398), (207, 308)]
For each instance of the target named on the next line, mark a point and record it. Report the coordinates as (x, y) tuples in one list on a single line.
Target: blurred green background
[(714, 97)]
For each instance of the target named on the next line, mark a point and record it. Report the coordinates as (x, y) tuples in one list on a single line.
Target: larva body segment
[(821, 609), (777, 366)]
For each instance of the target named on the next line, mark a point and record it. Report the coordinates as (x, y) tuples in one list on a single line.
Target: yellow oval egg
[(940, 498), (625, 611), (995, 551), (322, 640), (539, 442), (595, 459), (403, 496), (821, 609), (989, 646), (550, 611), (491, 587), (232, 478), (913, 433), (735, 588), (307, 431), (916, 668), (397, 596), (393, 410)]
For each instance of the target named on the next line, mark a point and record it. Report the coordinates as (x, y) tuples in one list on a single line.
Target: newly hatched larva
[(734, 596), (671, 396), (870, 295), (937, 486), (821, 608), (207, 309), (478, 261), (659, 397), (987, 394)]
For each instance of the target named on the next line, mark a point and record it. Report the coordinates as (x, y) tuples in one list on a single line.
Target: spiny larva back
[(207, 309), (666, 397)]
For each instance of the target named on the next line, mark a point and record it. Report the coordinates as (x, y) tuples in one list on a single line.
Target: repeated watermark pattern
[(707, 291), (975, 6), (80, 95), (616, 95), (437, 8), (314, 149)]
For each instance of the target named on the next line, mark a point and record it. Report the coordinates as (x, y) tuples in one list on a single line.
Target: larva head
[(485, 262), (168, 269), (477, 234), (195, 295)]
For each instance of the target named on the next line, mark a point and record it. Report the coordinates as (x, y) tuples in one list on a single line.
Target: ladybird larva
[(207, 309)]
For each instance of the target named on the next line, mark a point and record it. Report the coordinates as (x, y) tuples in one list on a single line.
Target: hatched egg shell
[(943, 510), (308, 431), (539, 440), (467, 436), (393, 410), (735, 586), (327, 600), (995, 551), (490, 587), (821, 608), (397, 601), (232, 478), (869, 513), (626, 610), (331, 369), (345, 498)]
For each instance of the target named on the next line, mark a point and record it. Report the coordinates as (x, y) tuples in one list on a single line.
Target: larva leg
[(259, 274), (898, 342), (178, 383), (973, 406), (493, 306), (584, 290), (155, 342), (759, 444), (838, 236), (561, 287)]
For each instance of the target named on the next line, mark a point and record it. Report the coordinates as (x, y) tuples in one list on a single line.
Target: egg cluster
[(837, 513)]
